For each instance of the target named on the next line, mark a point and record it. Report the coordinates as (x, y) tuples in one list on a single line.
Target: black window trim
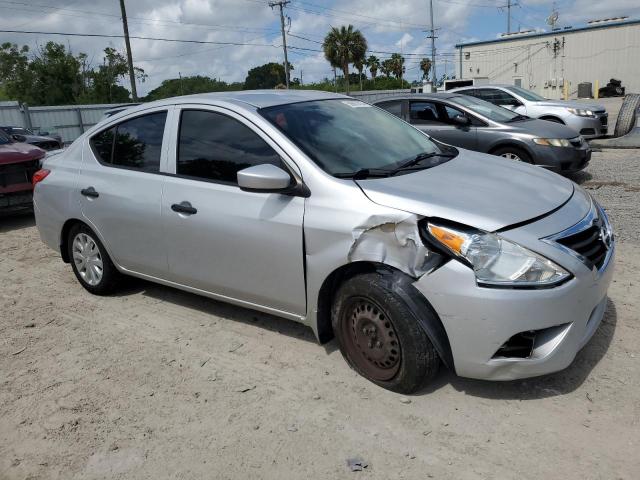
[(296, 181), (115, 126)]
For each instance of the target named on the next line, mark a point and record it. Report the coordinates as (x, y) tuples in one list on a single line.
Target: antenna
[(552, 19)]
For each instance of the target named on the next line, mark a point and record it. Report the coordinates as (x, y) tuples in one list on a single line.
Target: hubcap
[(87, 259), (371, 340), (511, 156)]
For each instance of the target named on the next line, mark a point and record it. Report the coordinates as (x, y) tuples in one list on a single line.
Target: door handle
[(184, 207), (90, 192)]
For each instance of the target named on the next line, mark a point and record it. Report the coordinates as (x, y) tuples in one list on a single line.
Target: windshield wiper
[(383, 172), (363, 173), (517, 118), (419, 158)]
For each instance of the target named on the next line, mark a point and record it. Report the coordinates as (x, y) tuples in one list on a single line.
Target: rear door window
[(425, 113), (214, 147), (394, 107), (134, 144)]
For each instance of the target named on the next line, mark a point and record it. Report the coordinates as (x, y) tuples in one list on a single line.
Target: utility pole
[(433, 49), (132, 76), (508, 7), (282, 4)]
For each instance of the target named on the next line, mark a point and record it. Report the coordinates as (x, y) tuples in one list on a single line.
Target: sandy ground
[(157, 383)]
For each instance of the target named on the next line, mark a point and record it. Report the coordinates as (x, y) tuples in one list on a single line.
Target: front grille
[(603, 120), (588, 244), (15, 173)]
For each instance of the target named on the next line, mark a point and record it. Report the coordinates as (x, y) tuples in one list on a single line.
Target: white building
[(542, 62)]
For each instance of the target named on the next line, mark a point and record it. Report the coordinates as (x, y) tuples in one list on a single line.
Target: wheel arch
[(513, 144), (552, 118), (402, 285), (64, 237)]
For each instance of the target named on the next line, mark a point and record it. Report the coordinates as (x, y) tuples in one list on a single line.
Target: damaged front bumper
[(479, 321)]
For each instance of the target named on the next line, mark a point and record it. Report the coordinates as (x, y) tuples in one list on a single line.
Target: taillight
[(39, 176)]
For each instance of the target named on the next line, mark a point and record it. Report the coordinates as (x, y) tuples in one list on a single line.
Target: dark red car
[(18, 163)]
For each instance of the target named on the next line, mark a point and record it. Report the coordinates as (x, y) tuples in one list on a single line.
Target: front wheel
[(513, 153), (379, 335), (90, 261)]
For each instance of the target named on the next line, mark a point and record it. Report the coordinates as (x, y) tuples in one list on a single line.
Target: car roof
[(483, 85), (254, 98), (420, 96)]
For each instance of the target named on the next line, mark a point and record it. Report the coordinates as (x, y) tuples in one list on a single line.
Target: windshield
[(347, 136), (4, 138), (486, 109), (20, 131), (526, 94)]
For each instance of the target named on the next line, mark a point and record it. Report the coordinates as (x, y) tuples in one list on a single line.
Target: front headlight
[(581, 112), (552, 142), (496, 261)]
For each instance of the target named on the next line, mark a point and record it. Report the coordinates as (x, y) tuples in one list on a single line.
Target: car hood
[(541, 128), (570, 104), (475, 189), (19, 152), (38, 138)]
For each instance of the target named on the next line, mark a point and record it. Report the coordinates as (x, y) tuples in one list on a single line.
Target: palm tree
[(425, 66), (343, 46), (359, 64), (373, 63), (398, 65), (387, 67)]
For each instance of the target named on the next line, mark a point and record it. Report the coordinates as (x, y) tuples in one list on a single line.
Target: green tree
[(15, 76), (343, 46), (102, 82), (373, 63), (387, 67), (189, 85), (359, 64), (397, 65), (425, 66), (268, 75)]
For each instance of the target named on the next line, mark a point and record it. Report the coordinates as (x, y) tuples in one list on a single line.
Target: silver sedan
[(330, 212), (587, 119)]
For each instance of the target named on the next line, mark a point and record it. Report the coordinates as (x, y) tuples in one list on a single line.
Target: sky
[(254, 29)]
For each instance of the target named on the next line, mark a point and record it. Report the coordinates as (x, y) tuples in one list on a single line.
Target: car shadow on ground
[(551, 385), (580, 177), (18, 221), (225, 311)]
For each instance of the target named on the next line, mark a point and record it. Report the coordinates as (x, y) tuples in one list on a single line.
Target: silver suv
[(589, 120), (334, 213)]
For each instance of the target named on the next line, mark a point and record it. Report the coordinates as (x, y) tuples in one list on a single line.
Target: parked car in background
[(328, 211), (474, 124), (18, 164), (587, 119), (21, 134)]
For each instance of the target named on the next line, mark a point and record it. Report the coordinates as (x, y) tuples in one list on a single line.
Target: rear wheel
[(513, 153), (380, 337), (90, 261)]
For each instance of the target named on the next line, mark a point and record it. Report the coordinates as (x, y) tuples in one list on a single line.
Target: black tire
[(110, 276), (415, 361), (627, 114), (509, 150)]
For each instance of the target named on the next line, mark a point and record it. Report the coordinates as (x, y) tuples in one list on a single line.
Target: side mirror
[(265, 178), (461, 121)]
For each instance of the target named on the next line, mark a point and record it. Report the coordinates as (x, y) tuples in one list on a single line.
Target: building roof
[(560, 31)]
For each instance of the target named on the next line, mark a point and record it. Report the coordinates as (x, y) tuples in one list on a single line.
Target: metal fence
[(71, 121)]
